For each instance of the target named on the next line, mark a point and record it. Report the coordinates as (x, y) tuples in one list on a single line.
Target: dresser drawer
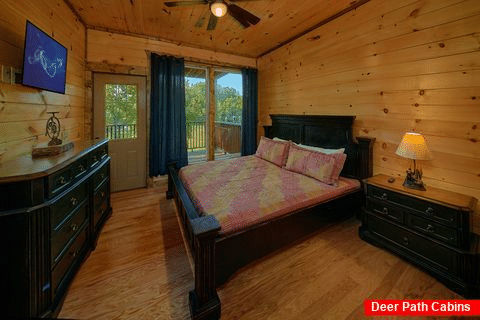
[(421, 248), (98, 155), (441, 214), (80, 167), (433, 229), (101, 175), (68, 258), (65, 205), (382, 208), (66, 231), (58, 181), (100, 196)]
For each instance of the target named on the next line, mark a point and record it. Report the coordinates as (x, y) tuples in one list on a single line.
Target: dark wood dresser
[(51, 213), (428, 228)]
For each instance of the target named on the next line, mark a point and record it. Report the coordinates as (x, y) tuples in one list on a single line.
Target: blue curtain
[(249, 112), (168, 133)]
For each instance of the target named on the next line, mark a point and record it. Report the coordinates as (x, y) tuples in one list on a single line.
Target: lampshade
[(219, 9), (413, 146)]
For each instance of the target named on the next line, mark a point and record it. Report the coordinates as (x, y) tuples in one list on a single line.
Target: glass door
[(120, 115), (228, 113), (196, 113), (213, 107)]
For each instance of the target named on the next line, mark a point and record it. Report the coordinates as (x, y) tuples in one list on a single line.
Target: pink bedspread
[(246, 191)]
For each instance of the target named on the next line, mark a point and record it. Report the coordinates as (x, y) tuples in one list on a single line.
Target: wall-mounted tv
[(44, 61)]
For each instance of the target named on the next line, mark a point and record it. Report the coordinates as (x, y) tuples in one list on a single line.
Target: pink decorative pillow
[(323, 167), (297, 159), (273, 151)]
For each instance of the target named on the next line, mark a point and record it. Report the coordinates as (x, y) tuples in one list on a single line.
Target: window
[(120, 111), (220, 138)]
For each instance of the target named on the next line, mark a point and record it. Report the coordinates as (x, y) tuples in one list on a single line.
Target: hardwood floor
[(141, 270)]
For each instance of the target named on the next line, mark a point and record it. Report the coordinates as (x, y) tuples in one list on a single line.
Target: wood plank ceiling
[(281, 21)]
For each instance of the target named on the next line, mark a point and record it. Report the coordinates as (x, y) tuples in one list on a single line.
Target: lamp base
[(414, 184)]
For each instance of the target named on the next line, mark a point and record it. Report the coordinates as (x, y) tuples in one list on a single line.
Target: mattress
[(246, 191)]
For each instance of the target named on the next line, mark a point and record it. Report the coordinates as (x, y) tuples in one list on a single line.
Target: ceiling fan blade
[(212, 22), (243, 14), (184, 3), (237, 16), (201, 21)]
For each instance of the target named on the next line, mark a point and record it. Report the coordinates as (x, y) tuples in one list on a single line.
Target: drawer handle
[(384, 196), (385, 211), (61, 180), (429, 211), (74, 201), (405, 241), (74, 253), (102, 194), (81, 168), (95, 158), (430, 228), (74, 227), (102, 175)]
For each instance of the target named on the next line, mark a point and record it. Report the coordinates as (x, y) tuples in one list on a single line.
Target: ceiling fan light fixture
[(219, 8)]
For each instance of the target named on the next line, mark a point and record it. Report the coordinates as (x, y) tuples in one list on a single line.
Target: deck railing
[(227, 136), (121, 131)]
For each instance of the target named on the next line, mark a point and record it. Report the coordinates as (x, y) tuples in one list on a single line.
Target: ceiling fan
[(218, 8)]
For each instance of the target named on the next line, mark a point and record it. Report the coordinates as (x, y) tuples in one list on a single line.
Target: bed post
[(365, 157), (204, 301)]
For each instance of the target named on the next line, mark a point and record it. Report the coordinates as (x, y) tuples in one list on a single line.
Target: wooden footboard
[(201, 233)]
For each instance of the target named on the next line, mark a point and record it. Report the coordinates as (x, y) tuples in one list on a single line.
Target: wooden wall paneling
[(410, 66), (109, 48), (24, 110)]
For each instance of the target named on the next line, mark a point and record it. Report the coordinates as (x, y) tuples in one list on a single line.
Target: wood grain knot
[(474, 127), (473, 98), (416, 104), (441, 45), (384, 145), (473, 140), (314, 38), (414, 13), (381, 93), (421, 92), (385, 110)]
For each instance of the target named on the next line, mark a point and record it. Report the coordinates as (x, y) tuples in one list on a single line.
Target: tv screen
[(44, 61)]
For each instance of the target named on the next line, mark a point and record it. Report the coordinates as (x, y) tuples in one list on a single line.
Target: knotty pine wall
[(23, 110), (126, 54), (398, 65)]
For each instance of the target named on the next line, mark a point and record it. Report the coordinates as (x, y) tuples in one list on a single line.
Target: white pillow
[(322, 150), (278, 139)]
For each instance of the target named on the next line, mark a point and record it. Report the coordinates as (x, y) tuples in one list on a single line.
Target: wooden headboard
[(327, 132)]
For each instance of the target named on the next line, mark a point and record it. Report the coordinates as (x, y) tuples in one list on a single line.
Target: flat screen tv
[(44, 61)]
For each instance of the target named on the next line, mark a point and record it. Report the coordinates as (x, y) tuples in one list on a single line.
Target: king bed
[(239, 210)]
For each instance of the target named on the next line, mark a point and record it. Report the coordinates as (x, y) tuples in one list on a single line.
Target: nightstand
[(430, 229)]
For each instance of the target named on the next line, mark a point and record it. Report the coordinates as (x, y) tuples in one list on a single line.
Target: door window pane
[(228, 114), (120, 111), (196, 111)]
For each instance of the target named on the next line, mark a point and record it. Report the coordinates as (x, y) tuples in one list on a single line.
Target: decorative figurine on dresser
[(430, 228), (52, 210)]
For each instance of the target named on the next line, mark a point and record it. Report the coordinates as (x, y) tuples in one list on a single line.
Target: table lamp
[(413, 146)]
